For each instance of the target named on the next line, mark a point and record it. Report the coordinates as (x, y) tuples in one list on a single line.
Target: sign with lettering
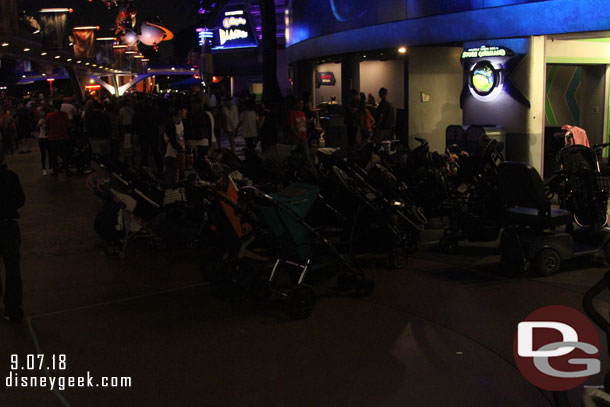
[(325, 78), (234, 30), (486, 52)]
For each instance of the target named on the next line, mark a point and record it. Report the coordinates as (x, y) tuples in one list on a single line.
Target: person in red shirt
[(297, 133), (59, 141), (297, 130)]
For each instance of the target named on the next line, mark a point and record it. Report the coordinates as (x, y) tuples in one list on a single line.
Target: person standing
[(69, 109), (384, 117), (297, 130), (268, 126), (248, 124), (98, 126), (231, 119), (43, 143), (11, 199), (174, 145), (57, 133), (24, 128), (126, 113), (8, 130), (146, 122), (367, 122), (200, 135), (352, 118)]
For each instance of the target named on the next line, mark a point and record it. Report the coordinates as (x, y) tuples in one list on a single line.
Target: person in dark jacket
[(11, 199)]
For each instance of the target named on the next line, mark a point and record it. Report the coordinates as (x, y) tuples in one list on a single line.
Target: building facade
[(528, 66)]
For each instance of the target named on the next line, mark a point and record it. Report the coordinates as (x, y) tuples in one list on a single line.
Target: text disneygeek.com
[(22, 375)]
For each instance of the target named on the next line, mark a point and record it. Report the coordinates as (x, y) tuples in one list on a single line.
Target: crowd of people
[(157, 130)]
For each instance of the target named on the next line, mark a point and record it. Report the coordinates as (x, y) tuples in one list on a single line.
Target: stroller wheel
[(365, 288), (300, 302), (398, 259)]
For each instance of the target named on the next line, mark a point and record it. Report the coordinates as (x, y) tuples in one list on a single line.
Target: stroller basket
[(284, 213), (575, 159)]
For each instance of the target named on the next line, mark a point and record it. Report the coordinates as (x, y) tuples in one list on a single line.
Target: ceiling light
[(5, 44), (402, 50), (43, 53), (26, 50)]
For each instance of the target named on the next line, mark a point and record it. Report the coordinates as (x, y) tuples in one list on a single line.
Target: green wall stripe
[(550, 115), (571, 95)]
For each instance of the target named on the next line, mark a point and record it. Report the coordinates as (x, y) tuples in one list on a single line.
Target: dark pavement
[(437, 333)]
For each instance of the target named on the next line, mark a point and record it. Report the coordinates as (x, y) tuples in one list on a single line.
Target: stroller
[(424, 173), (476, 209), (267, 233), (375, 211), (132, 203), (580, 186)]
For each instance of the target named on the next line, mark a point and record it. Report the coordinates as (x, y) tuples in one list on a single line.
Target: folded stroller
[(270, 233)]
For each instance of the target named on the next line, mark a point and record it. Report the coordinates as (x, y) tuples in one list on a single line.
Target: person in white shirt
[(174, 139), (248, 124), (69, 109), (231, 117)]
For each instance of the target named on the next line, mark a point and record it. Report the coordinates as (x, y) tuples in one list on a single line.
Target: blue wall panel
[(534, 18)]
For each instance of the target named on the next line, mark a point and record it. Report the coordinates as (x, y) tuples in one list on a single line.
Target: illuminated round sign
[(484, 78)]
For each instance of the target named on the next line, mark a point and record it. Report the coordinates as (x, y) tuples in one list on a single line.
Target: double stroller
[(270, 249)]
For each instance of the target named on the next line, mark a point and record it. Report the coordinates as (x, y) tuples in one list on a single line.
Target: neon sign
[(205, 36), (486, 52), (234, 30), (230, 35), (486, 81), (229, 22)]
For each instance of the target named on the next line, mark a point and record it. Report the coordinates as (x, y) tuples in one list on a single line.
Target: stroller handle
[(590, 310)]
